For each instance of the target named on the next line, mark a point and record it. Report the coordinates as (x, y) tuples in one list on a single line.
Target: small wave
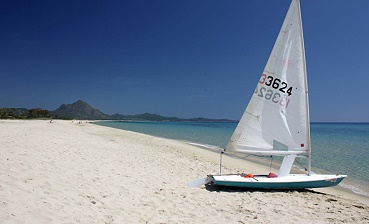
[(355, 189), (212, 147)]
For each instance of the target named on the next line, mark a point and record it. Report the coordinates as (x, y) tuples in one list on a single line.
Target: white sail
[(276, 120)]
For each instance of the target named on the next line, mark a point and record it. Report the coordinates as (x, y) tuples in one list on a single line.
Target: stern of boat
[(209, 179)]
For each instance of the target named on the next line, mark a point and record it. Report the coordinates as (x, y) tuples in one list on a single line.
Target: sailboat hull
[(292, 181)]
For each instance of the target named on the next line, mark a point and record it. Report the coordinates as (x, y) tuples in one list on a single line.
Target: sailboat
[(276, 120)]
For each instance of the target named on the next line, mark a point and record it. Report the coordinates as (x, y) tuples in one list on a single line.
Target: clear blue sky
[(177, 58)]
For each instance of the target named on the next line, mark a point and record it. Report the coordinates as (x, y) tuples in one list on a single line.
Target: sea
[(336, 147)]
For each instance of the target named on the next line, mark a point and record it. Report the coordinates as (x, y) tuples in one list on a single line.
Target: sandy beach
[(66, 172)]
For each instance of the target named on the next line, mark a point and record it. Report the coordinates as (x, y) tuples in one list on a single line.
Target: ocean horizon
[(337, 147)]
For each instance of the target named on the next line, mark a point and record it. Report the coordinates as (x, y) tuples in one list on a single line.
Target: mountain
[(81, 110), (78, 110)]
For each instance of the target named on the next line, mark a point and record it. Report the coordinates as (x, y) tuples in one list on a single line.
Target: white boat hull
[(292, 181)]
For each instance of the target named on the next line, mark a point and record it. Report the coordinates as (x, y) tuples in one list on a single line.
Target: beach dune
[(66, 172)]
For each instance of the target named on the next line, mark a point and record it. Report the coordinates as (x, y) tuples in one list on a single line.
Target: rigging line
[(301, 165), (271, 163), (244, 157)]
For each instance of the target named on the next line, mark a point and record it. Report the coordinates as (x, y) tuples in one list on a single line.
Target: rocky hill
[(78, 110)]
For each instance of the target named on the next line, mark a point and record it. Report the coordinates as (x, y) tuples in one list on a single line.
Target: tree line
[(22, 113)]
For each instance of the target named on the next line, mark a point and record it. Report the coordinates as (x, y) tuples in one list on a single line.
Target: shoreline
[(348, 188), (84, 173), (261, 164)]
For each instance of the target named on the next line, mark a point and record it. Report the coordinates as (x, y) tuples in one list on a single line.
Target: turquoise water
[(336, 147), (209, 133)]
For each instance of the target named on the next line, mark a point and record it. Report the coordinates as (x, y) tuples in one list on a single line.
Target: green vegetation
[(22, 113)]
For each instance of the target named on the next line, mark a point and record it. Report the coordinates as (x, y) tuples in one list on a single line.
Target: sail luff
[(307, 91)]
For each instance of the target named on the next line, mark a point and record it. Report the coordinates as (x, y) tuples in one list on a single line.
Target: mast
[(307, 92)]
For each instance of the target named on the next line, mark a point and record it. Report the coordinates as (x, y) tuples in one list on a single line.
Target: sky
[(185, 58)]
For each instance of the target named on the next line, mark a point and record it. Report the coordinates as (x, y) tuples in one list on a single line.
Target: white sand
[(84, 173)]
